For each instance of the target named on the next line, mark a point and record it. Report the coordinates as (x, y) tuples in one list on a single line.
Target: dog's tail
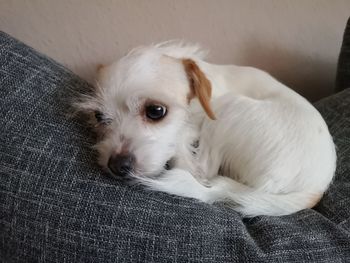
[(252, 202), (246, 200)]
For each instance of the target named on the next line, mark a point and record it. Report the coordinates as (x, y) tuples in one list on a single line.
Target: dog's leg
[(204, 166), (248, 201), (179, 182), (208, 165)]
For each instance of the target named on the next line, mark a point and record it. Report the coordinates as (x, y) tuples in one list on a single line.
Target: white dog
[(215, 133)]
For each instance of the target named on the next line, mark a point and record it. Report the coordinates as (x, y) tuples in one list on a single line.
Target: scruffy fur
[(262, 148)]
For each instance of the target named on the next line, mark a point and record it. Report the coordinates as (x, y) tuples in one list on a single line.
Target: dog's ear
[(200, 86), (100, 70)]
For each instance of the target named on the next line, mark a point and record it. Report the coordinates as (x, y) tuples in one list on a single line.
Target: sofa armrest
[(343, 69)]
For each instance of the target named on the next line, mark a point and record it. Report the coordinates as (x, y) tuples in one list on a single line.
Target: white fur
[(268, 153)]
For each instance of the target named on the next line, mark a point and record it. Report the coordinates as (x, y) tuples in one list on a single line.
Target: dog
[(216, 133)]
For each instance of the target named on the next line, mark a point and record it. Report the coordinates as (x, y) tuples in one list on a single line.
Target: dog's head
[(140, 108)]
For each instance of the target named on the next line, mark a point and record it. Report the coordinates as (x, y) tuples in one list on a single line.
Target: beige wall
[(297, 41)]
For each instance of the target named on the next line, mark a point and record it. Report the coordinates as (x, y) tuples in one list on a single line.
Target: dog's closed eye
[(102, 119)]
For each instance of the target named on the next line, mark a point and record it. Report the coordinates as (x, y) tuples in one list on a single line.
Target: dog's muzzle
[(121, 164)]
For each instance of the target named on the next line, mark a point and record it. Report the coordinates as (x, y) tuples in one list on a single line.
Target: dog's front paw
[(177, 182), (201, 176), (202, 179)]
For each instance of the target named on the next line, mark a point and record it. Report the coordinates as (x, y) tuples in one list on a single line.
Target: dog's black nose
[(121, 164)]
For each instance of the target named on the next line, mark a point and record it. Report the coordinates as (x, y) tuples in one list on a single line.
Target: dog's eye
[(101, 118), (155, 112)]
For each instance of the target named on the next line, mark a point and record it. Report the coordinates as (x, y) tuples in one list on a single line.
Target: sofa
[(56, 205)]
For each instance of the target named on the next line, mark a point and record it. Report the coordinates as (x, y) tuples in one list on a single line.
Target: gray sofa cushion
[(56, 206)]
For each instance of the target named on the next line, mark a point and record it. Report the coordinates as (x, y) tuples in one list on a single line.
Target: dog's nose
[(121, 164)]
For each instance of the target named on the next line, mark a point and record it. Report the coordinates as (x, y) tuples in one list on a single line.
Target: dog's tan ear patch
[(99, 67), (200, 86)]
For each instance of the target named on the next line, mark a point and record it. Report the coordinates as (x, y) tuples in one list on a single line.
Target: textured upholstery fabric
[(343, 71), (56, 206)]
